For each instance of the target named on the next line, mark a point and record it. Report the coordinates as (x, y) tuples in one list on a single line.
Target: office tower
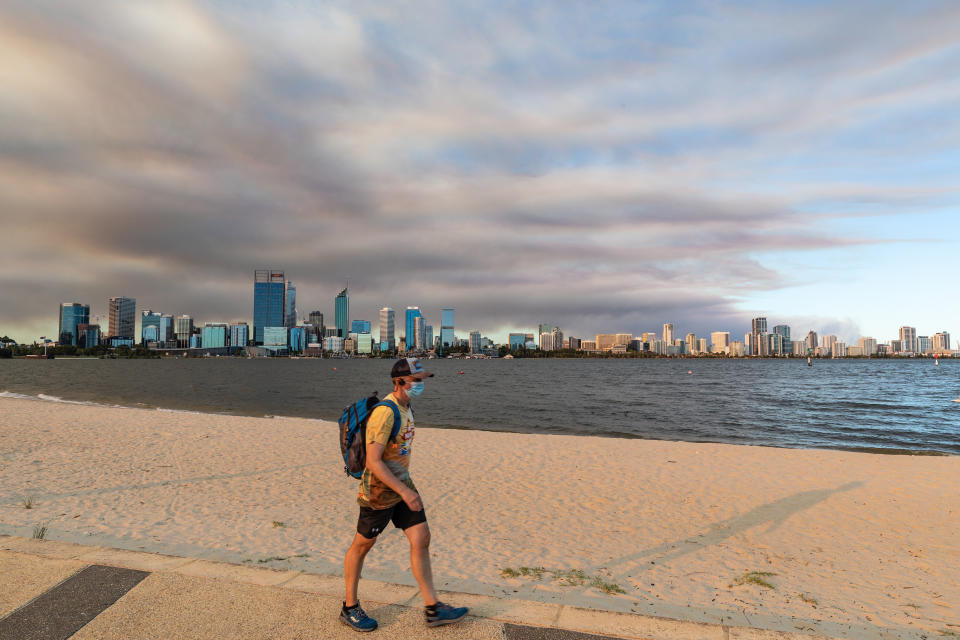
[(419, 334), (364, 343), (622, 338), (868, 346), (573, 343), (214, 335), (360, 326), (239, 334), (341, 312), (269, 301), (88, 335), (605, 341), (428, 344), (908, 339), (757, 326), (72, 314), (827, 343), (290, 307), (720, 342), (387, 329), (122, 317), (150, 326), (924, 344), (183, 327), (446, 326), (941, 342), (546, 341), (703, 346), (517, 340), (410, 334), (748, 344), (316, 321), (811, 342), (474, 342), (692, 344), (557, 338), (299, 337), (783, 342), (667, 333), (334, 344)]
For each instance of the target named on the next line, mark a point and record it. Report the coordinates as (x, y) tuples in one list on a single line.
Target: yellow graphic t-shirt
[(396, 454)]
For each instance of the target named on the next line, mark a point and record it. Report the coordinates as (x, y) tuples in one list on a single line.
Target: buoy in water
[(460, 372), (689, 372)]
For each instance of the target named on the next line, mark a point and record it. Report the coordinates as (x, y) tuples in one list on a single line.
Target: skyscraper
[(72, 315), (183, 327), (122, 317), (474, 342), (290, 307), (360, 326), (693, 345), (811, 342), (341, 312), (269, 301), (387, 322), (150, 326), (668, 333), (908, 339), (446, 326), (239, 334), (411, 336), (757, 327), (419, 333), (316, 321), (720, 342)]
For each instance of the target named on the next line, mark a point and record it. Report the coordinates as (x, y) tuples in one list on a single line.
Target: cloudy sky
[(602, 166)]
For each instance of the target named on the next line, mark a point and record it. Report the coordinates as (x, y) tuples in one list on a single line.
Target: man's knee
[(362, 544), (419, 535)]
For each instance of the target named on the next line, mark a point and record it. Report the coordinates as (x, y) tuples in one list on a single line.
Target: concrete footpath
[(56, 590)]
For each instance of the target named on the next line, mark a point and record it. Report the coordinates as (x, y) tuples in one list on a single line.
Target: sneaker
[(357, 619), (445, 614)]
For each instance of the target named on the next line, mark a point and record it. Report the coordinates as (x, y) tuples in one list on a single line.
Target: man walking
[(387, 494)]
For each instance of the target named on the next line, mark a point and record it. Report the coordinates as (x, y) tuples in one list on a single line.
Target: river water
[(886, 405)]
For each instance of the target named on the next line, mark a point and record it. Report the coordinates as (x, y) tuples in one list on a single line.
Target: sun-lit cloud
[(601, 166)]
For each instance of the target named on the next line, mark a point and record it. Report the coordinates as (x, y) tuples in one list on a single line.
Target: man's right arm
[(378, 467)]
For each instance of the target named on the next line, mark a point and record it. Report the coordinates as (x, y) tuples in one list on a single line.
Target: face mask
[(416, 388)]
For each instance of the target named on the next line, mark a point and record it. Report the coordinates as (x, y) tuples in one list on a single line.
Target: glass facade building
[(150, 326), (446, 326), (299, 338), (387, 328), (89, 335), (411, 330), (269, 301), (341, 312), (290, 306), (123, 317), (72, 315), (183, 326), (214, 335), (275, 336), (360, 326), (239, 334)]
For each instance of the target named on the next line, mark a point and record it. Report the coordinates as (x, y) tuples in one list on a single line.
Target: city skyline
[(608, 166)]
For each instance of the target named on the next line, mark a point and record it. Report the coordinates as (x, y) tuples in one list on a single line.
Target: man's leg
[(419, 537), (353, 565)]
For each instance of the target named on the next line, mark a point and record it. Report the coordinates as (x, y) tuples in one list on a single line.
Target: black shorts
[(372, 522)]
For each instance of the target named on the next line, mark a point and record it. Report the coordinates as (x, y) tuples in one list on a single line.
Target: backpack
[(353, 432)]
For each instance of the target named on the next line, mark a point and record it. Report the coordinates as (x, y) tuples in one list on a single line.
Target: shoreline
[(847, 538), (892, 451)]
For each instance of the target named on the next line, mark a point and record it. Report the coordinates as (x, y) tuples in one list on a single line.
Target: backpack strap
[(396, 416)]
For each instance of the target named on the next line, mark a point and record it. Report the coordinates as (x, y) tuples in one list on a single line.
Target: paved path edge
[(505, 610)]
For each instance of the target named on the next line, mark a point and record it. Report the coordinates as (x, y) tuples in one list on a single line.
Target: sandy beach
[(848, 543)]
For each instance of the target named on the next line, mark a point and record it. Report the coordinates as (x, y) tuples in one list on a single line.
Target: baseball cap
[(408, 367)]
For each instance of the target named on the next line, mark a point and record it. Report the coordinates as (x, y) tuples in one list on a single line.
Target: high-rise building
[(517, 340), (868, 346), (908, 339), (419, 333), (623, 338), (546, 341), (474, 342), (341, 312), (720, 342), (72, 315), (214, 335), (411, 336), (276, 336), (667, 333), (924, 344), (88, 335), (150, 326), (692, 344), (290, 307), (758, 326), (702, 347), (811, 342), (387, 328), (428, 343), (239, 334), (360, 326), (122, 317), (446, 326), (269, 301), (783, 344), (316, 321), (941, 342), (606, 341), (827, 343), (183, 327)]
